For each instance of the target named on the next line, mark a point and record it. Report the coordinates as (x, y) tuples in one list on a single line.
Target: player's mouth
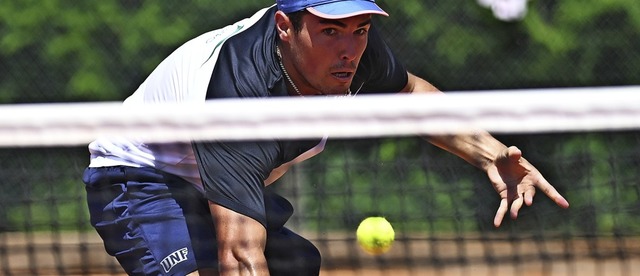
[(343, 76)]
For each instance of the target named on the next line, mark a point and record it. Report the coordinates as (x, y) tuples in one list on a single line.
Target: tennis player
[(204, 207)]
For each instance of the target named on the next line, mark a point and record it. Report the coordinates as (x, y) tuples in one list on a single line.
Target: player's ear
[(283, 26)]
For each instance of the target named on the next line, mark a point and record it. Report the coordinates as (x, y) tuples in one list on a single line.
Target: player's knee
[(242, 259)]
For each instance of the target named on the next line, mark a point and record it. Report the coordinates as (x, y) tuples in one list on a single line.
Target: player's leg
[(287, 253), (147, 220)]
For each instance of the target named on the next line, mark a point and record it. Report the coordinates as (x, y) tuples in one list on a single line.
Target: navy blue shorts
[(159, 224)]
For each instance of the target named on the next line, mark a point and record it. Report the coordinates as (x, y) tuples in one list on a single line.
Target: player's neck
[(290, 84)]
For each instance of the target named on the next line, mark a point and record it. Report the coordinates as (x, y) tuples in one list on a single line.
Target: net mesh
[(585, 141)]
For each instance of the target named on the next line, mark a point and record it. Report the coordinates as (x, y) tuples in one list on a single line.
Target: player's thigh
[(108, 207), (161, 227), (105, 189), (174, 221)]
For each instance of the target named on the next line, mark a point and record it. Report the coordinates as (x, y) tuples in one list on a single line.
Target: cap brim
[(344, 9)]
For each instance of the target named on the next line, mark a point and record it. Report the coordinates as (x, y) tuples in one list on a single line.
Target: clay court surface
[(341, 258)]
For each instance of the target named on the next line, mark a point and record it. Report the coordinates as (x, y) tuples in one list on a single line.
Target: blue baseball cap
[(332, 9)]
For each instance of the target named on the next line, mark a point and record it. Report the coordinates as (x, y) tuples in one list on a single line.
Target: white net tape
[(514, 111)]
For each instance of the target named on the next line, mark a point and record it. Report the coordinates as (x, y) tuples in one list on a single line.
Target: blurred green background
[(63, 50)]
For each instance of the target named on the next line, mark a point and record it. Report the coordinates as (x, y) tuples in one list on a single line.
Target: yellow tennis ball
[(375, 235)]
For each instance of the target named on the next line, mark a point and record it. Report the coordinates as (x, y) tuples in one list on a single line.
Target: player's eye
[(329, 31), (362, 31)]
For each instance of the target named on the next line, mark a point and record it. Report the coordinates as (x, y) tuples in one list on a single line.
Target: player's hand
[(516, 180)]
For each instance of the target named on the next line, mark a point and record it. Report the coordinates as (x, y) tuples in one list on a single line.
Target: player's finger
[(516, 205), (502, 210), (528, 196), (554, 195)]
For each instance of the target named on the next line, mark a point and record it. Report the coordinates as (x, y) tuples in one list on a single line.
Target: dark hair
[(296, 19)]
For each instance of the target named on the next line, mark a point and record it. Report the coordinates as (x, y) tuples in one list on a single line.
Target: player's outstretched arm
[(512, 176)]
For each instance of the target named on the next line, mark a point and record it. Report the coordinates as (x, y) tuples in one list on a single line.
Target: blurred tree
[(461, 46), (63, 50)]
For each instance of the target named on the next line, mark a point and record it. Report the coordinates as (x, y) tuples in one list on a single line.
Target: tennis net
[(586, 141)]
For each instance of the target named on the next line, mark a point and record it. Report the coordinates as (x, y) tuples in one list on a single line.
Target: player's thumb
[(514, 153)]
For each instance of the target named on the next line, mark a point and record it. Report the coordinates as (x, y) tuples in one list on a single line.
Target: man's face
[(326, 53)]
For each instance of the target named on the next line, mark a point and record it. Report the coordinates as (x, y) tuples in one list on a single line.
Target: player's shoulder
[(247, 57), (258, 24)]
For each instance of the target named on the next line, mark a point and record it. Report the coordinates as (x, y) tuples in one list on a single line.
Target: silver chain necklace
[(285, 71), (295, 88)]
